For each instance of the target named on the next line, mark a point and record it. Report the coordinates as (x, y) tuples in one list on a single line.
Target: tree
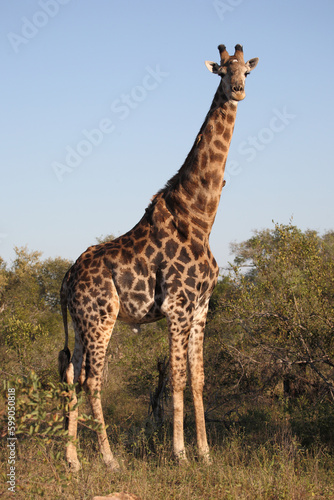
[(29, 302), (105, 239), (3, 281), (284, 301)]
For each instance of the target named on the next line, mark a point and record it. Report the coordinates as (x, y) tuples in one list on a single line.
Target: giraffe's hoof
[(206, 458), (74, 465), (113, 465), (181, 458)]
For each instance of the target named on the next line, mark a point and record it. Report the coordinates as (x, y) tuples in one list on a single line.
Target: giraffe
[(162, 267)]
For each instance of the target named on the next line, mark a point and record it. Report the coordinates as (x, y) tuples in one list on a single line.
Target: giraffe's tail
[(64, 355)]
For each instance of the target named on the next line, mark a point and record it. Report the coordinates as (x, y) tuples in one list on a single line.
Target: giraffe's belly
[(140, 301), (133, 311)]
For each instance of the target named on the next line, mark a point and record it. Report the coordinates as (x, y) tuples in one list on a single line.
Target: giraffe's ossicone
[(163, 267)]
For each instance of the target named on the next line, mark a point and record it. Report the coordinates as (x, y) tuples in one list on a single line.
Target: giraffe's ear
[(215, 68), (252, 63)]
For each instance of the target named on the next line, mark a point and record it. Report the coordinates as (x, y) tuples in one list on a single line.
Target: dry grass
[(239, 470)]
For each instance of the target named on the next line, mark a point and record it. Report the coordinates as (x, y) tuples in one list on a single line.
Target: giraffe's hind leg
[(96, 332), (71, 377), (95, 356)]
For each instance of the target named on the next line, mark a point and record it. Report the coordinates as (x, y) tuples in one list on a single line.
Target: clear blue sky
[(135, 70)]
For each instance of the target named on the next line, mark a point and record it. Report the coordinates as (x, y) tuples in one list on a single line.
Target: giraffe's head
[(233, 71)]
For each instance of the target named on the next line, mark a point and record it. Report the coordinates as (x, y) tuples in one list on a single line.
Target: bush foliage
[(269, 365)]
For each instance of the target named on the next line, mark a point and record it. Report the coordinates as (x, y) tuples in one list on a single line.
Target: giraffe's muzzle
[(238, 92)]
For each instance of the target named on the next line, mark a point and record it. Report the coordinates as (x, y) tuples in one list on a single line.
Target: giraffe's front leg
[(178, 434), (178, 373), (195, 357)]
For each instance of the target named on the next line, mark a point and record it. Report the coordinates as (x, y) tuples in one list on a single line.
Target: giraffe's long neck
[(193, 194)]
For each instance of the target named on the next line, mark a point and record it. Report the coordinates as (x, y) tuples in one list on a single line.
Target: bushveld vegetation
[(269, 394)]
